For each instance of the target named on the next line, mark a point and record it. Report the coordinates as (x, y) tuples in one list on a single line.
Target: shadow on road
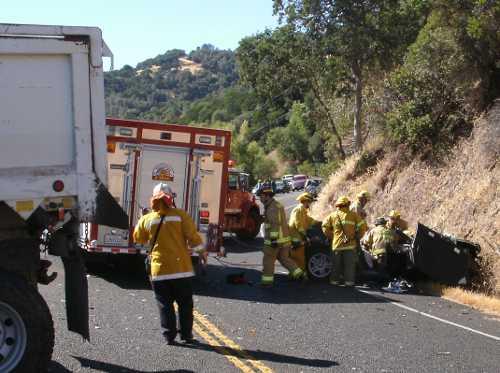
[(55, 367), (214, 284), (107, 367), (284, 291), (266, 356), (237, 246)]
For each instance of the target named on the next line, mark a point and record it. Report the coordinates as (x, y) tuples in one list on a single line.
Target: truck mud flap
[(77, 300), (108, 211)]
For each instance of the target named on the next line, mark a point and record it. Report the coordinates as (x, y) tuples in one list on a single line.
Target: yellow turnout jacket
[(275, 226), (377, 240), (344, 227), (170, 258), (299, 222)]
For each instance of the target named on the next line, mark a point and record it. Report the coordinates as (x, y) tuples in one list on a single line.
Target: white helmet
[(163, 187)]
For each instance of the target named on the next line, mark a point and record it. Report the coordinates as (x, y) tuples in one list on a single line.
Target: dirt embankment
[(460, 196)]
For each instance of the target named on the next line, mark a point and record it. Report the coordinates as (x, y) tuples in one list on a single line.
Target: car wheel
[(319, 263)]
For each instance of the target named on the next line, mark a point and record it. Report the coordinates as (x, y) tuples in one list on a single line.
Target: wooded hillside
[(333, 76)]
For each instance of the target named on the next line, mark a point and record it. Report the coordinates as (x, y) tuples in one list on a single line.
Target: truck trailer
[(53, 176), (192, 160)]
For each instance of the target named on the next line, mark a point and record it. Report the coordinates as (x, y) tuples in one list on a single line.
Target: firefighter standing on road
[(171, 271), (344, 227), (276, 238), (299, 222), (358, 206)]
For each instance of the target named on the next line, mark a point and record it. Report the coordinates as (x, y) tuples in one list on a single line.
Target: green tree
[(361, 34), (284, 66)]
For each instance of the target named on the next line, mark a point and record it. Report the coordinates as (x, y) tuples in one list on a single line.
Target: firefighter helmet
[(266, 188), (395, 214), (342, 201), (363, 194), (306, 196)]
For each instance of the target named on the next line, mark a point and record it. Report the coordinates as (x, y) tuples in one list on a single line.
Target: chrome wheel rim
[(320, 265), (13, 338)]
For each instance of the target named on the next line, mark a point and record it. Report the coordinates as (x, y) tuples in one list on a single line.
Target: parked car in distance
[(287, 178), (282, 186), (255, 189), (298, 182), (313, 186), (287, 186)]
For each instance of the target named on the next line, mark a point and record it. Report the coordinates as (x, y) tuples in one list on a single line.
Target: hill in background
[(164, 88)]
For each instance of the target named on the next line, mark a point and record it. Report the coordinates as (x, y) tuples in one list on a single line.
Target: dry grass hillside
[(460, 196)]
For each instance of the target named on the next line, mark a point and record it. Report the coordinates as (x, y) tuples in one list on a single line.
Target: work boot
[(189, 340), (170, 341)]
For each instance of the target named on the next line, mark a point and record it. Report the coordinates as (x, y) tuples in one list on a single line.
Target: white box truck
[(53, 176), (192, 160)]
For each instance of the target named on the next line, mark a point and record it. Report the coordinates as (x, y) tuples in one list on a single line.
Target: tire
[(253, 226), (319, 263), (26, 318)]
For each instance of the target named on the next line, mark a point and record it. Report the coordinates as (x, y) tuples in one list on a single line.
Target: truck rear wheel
[(252, 226), (26, 327)]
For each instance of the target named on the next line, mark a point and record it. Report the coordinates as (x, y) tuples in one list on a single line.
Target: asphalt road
[(289, 328)]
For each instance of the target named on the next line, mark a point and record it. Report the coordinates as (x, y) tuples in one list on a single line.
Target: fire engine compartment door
[(161, 164)]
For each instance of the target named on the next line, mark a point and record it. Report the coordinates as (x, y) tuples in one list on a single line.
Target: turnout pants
[(344, 266), (166, 293), (282, 253), (298, 255)]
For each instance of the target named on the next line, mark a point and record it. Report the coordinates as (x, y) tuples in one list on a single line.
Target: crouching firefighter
[(376, 243), (276, 238), (299, 223), (170, 232)]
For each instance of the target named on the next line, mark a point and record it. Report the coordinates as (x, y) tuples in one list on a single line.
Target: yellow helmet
[(342, 201), (394, 214), (363, 194), (306, 196)]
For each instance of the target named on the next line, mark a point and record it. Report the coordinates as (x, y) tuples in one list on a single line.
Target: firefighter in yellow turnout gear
[(344, 227), (358, 206), (277, 238), (299, 223), (377, 242), (171, 232)]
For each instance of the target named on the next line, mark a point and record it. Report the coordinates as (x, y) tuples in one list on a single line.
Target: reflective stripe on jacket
[(377, 240), (299, 223), (170, 258), (275, 226), (344, 227)]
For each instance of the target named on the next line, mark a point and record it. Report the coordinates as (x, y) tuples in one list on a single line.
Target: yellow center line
[(229, 343), (221, 349)]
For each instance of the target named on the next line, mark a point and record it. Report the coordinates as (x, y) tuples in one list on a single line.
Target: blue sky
[(137, 30)]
